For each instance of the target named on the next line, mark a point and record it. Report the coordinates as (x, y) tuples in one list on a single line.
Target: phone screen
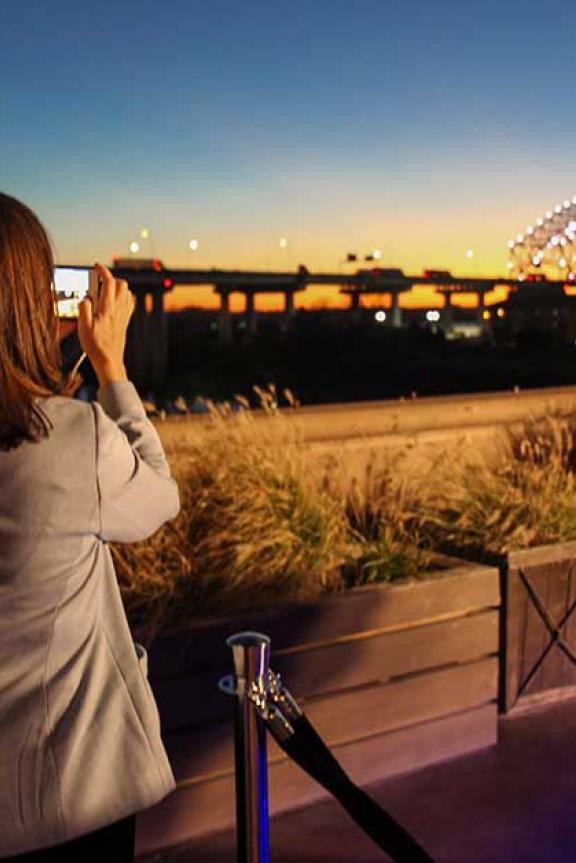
[(71, 285)]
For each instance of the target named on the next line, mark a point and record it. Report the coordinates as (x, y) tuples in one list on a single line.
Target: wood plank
[(381, 657), (549, 569), (374, 709), (570, 630), (416, 747), (565, 669), (534, 630), (295, 626), (555, 669), (195, 810), (207, 751), (186, 700), (569, 668), (544, 699), (542, 555), (552, 583), (515, 621)]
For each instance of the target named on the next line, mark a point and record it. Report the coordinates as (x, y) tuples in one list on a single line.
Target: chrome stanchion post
[(251, 652)]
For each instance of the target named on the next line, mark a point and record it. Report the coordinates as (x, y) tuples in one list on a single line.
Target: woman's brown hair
[(30, 361)]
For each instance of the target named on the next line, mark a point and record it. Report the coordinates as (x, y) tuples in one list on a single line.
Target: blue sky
[(417, 128)]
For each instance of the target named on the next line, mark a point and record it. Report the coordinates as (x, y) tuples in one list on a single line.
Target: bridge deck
[(363, 281)]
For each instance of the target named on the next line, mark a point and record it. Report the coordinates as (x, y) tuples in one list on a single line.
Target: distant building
[(537, 305)]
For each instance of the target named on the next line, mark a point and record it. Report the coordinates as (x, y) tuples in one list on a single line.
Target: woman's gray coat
[(80, 739)]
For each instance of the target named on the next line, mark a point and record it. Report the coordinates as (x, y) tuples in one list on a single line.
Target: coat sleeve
[(135, 489)]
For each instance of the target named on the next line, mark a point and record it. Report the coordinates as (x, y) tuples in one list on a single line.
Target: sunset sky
[(421, 129)]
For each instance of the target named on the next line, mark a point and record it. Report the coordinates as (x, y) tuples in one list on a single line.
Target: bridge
[(148, 342)]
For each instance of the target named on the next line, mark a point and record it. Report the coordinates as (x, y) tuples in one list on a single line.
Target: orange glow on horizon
[(204, 297), (442, 245)]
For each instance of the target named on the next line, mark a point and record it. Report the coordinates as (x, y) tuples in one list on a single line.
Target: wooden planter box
[(539, 626), (394, 677)]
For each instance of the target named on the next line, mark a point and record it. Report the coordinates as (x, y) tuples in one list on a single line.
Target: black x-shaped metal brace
[(555, 629)]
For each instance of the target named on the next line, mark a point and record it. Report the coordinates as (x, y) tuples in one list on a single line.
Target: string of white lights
[(547, 248)]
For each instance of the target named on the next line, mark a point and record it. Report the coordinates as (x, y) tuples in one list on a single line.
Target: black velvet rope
[(309, 751)]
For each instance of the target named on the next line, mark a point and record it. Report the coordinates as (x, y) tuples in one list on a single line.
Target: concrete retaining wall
[(412, 434)]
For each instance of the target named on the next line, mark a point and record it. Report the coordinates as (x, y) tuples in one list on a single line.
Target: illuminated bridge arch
[(547, 248)]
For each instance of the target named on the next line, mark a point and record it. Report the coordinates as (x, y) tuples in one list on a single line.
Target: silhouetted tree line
[(323, 362)]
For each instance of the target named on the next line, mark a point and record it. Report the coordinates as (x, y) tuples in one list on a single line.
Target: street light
[(146, 237), (374, 255), (193, 245), (134, 247)]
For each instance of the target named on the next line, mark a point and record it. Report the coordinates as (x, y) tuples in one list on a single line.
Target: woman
[(80, 746)]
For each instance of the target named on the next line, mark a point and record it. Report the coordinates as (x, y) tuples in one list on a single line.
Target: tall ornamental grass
[(528, 499), (383, 517), (261, 521), (253, 526), (258, 524)]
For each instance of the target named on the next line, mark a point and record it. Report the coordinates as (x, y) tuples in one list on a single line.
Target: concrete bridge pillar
[(158, 341), (395, 310), (225, 317), (481, 308), (147, 341), (355, 307), (289, 311), (481, 305), (289, 303), (354, 301), (137, 353), (448, 309), (251, 317)]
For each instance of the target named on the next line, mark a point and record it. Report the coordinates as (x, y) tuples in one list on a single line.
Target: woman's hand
[(102, 334)]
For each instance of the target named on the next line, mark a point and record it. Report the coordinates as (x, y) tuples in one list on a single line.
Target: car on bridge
[(437, 274), (138, 264), (383, 273)]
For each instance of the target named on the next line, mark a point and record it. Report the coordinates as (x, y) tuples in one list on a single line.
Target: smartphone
[(71, 285)]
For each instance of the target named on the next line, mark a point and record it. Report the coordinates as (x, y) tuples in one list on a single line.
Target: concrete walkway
[(515, 803)]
